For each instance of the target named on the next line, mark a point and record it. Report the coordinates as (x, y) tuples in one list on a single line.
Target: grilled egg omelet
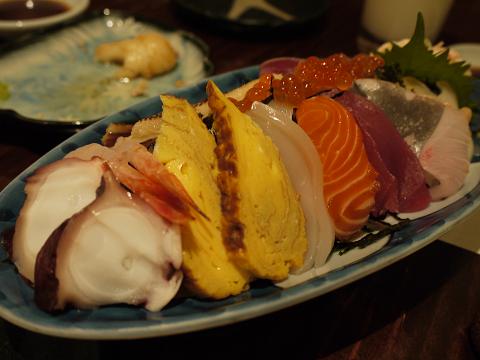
[(186, 148), (263, 225)]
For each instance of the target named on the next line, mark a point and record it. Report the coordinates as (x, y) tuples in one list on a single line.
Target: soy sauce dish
[(20, 16)]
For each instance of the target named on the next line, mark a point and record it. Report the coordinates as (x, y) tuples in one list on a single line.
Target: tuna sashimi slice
[(438, 133), (402, 180)]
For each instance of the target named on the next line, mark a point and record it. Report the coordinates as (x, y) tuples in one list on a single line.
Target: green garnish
[(377, 230), (416, 60), (4, 92)]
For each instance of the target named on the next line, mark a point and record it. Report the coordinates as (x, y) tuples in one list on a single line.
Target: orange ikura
[(349, 178)]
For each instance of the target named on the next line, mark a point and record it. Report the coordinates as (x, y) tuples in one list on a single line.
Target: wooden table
[(419, 308)]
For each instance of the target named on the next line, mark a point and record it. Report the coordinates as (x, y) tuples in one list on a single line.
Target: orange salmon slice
[(349, 178)]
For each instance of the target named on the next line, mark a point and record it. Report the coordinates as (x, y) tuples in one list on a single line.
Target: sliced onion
[(305, 170)]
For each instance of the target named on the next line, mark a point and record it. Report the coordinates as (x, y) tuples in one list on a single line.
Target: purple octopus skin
[(116, 250)]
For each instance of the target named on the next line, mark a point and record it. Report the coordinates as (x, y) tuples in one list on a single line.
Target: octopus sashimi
[(349, 179), (50, 200), (116, 250)]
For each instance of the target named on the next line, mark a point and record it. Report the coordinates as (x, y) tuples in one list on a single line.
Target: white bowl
[(470, 52), (17, 27)]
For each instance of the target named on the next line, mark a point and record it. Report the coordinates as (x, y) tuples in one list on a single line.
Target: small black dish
[(254, 15)]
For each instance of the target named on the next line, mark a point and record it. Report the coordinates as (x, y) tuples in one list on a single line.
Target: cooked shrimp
[(135, 168)]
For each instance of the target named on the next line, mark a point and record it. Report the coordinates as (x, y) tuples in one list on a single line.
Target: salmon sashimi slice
[(350, 181)]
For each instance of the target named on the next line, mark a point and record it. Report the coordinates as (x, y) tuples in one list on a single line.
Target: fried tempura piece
[(147, 55)]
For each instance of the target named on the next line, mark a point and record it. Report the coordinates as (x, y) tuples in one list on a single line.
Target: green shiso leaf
[(416, 60)]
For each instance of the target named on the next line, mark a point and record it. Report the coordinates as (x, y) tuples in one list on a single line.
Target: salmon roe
[(259, 92), (314, 75)]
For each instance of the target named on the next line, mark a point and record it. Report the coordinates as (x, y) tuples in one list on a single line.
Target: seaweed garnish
[(376, 229), (6, 239)]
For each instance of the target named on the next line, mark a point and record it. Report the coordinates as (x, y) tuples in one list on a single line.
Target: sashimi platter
[(250, 192)]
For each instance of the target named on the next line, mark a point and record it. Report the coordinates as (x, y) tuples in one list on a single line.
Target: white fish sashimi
[(305, 170), (437, 132), (445, 156)]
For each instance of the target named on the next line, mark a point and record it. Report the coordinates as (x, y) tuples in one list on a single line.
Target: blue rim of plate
[(188, 314), (29, 39)]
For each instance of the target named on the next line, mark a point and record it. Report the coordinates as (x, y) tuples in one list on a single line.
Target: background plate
[(258, 15), (186, 315), (53, 79)]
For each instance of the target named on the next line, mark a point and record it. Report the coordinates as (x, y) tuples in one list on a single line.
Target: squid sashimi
[(401, 178), (438, 133), (349, 178), (116, 250), (305, 169)]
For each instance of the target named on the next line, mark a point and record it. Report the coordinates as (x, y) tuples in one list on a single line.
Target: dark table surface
[(422, 307)]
